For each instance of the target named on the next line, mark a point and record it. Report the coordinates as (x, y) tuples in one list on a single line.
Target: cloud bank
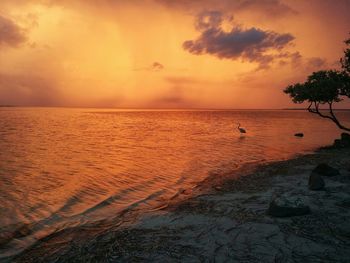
[(10, 33), (28, 90), (252, 44)]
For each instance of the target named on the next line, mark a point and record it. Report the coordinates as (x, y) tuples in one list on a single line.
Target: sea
[(66, 167)]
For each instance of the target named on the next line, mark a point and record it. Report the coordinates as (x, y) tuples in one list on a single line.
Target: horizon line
[(161, 109)]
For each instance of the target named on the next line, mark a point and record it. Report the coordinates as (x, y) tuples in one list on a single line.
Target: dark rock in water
[(299, 135), (343, 142), (316, 182), (345, 137), (325, 170), (338, 143), (288, 206)]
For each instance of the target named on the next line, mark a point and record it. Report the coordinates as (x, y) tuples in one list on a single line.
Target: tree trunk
[(332, 116)]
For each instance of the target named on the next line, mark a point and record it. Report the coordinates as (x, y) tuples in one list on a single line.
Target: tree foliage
[(324, 87), (345, 60)]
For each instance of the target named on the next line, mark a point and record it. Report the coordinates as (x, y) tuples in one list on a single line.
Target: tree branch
[(316, 110), (320, 113), (334, 118)]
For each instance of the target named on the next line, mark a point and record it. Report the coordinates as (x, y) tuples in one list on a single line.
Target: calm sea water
[(65, 167)]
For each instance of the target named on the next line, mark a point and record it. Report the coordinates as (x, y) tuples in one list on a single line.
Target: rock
[(345, 137), (287, 206), (316, 182), (325, 170), (338, 143), (343, 142), (299, 135)]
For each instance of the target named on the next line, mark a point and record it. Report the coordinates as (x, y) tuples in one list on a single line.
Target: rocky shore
[(249, 219)]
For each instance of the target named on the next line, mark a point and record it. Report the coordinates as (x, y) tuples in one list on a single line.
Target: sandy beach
[(225, 220)]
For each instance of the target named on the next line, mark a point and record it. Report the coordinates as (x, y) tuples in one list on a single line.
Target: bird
[(241, 130)]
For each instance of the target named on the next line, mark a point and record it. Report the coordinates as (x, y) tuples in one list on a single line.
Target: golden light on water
[(128, 113)]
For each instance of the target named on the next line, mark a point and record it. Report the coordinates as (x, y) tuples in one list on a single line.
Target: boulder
[(299, 134), (325, 170), (316, 182), (287, 206)]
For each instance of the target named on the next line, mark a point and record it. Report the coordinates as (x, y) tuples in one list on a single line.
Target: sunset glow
[(165, 54), (174, 131)]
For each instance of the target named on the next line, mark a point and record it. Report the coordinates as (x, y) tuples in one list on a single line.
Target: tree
[(324, 87), (345, 61)]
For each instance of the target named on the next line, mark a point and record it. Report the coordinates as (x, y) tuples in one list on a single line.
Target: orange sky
[(165, 53)]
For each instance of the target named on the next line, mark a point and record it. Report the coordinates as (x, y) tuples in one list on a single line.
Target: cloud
[(271, 8), (27, 91), (156, 66), (305, 64), (252, 44), (173, 98), (10, 33), (316, 63)]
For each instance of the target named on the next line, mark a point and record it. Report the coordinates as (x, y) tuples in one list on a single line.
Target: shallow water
[(66, 167)]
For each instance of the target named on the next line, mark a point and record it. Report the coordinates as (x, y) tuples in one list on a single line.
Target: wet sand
[(224, 220)]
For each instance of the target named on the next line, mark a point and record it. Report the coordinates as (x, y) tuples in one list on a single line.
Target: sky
[(222, 54)]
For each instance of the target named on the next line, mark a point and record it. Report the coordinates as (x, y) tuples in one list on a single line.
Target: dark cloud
[(253, 44), (10, 33), (156, 66), (307, 64), (316, 63), (209, 19), (271, 8)]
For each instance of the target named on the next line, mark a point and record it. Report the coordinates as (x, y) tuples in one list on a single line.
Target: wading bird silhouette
[(241, 130)]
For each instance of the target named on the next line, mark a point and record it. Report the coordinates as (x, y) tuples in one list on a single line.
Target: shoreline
[(226, 220)]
